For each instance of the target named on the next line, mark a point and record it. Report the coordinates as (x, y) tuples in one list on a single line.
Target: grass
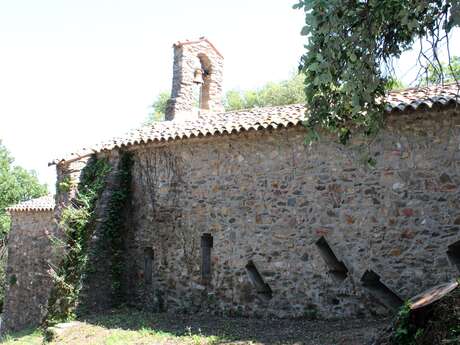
[(29, 337), (83, 333), (121, 328)]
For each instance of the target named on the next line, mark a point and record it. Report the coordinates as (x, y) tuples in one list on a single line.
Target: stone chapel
[(231, 212)]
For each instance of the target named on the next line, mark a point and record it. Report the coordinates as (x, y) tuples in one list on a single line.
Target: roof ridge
[(42, 203), (425, 87), (249, 109)]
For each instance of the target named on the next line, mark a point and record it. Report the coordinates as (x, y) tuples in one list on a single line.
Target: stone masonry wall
[(387, 211), (30, 252)]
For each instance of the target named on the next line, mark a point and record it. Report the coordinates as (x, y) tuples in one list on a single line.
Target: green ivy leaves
[(75, 221), (113, 225)]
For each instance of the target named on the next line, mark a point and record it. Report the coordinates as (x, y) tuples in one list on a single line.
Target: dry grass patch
[(84, 333)]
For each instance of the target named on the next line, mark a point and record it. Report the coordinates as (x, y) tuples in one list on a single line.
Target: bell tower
[(197, 80)]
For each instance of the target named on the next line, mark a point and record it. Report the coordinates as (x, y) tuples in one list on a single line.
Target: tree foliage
[(16, 185), (350, 48), (290, 91), (158, 108), (450, 73)]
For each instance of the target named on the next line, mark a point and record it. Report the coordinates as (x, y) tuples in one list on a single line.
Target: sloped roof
[(210, 124), (424, 97), (44, 203)]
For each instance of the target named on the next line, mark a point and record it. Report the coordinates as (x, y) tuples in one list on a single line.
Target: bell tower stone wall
[(197, 80)]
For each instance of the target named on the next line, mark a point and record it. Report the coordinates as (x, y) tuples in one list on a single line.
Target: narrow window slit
[(337, 268), (453, 252), (206, 246), (371, 281), (258, 282), (148, 265)]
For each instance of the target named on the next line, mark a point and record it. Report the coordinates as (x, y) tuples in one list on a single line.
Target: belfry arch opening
[(202, 82)]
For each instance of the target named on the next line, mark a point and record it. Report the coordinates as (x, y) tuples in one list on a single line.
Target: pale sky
[(74, 72)]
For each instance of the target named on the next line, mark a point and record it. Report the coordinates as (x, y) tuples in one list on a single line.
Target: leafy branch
[(350, 48)]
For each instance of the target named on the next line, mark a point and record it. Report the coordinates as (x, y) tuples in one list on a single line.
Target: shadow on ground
[(244, 330)]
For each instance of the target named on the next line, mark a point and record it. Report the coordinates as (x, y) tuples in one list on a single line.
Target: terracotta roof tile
[(427, 97), (210, 124), (44, 203)]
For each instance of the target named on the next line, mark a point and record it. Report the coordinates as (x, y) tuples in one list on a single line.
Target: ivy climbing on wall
[(166, 166), (113, 225), (74, 222), (77, 223)]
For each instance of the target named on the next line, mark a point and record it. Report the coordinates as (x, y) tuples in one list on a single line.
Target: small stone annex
[(30, 252), (231, 212)]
